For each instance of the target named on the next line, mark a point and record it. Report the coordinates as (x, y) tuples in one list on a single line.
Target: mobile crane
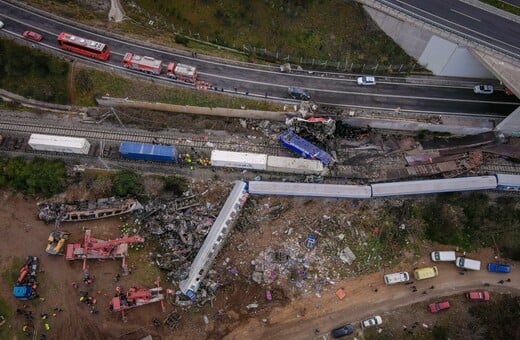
[(136, 297), (94, 248)]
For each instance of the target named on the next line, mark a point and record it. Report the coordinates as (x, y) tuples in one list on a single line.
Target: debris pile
[(180, 227)]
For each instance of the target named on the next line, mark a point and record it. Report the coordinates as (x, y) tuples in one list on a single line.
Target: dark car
[(298, 93), (435, 307), (499, 268), (32, 35), (342, 331)]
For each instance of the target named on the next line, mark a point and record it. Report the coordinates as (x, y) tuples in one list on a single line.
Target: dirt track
[(328, 312)]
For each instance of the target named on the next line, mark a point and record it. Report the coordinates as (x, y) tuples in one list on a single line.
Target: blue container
[(304, 148), (23, 292), (149, 152)]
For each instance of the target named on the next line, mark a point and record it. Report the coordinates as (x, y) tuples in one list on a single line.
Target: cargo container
[(243, 160), (59, 144), (294, 165), (149, 152), (304, 148)]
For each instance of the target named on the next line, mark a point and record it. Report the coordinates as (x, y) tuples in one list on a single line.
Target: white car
[(483, 89), (371, 322), (1, 24), (366, 80)]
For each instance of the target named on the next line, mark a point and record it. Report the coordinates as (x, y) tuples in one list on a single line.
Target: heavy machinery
[(151, 65), (25, 287), (136, 297), (57, 239), (94, 248)]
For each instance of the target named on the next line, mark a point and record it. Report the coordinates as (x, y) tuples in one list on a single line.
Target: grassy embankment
[(337, 30), (503, 6)]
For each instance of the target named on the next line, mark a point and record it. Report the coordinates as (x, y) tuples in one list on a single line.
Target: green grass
[(503, 6), (336, 30)]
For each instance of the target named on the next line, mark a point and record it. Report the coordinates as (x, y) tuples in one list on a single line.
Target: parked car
[(366, 80), (32, 35), (426, 273), (499, 268), (371, 322), (443, 256), (478, 295), (483, 89), (437, 306), (393, 278), (342, 331), (465, 263), (298, 93)]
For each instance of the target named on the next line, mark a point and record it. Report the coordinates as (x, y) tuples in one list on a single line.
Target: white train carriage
[(434, 186), (508, 182), (294, 165), (309, 189), (59, 144), (243, 160)]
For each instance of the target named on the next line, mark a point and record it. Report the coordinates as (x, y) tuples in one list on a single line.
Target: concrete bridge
[(463, 38)]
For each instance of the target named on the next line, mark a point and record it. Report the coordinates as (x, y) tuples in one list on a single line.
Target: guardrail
[(380, 4)]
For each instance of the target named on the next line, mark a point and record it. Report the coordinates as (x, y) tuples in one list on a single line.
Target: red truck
[(154, 66)]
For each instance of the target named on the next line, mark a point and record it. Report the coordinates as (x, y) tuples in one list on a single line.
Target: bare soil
[(292, 314)]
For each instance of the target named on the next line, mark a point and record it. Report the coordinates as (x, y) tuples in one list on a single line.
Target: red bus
[(83, 46)]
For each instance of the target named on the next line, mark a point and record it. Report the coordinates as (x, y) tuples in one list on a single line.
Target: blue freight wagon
[(304, 148), (148, 152)]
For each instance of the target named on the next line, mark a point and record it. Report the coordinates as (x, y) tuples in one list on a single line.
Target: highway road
[(466, 19), (407, 94)]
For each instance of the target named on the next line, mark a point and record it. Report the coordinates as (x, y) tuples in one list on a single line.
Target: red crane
[(136, 297), (94, 248)]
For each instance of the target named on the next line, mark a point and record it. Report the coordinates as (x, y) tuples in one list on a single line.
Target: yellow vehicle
[(57, 239), (425, 273)]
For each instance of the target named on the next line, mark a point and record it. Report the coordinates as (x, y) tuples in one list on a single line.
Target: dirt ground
[(292, 314)]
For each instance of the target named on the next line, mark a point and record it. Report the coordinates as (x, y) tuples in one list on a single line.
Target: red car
[(437, 306), (32, 35), (478, 295)]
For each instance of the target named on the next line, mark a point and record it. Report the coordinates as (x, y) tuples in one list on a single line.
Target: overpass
[(461, 38)]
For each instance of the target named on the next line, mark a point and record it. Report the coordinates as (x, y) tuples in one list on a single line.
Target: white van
[(438, 256), (465, 263), (390, 279)]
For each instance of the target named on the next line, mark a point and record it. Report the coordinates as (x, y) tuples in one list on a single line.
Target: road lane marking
[(467, 16)]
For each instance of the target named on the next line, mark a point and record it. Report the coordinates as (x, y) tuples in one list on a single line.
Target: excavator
[(57, 239)]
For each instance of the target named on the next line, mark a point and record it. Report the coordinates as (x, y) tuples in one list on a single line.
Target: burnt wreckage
[(86, 210)]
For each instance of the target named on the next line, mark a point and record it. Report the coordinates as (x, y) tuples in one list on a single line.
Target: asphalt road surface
[(469, 20), (267, 81)]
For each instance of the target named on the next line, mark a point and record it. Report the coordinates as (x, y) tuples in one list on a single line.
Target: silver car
[(366, 80), (483, 89), (1, 24), (371, 322)]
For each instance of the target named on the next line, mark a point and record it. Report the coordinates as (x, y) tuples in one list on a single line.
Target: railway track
[(104, 135)]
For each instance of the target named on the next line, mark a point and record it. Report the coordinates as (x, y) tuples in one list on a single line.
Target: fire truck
[(182, 72), (154, 66)]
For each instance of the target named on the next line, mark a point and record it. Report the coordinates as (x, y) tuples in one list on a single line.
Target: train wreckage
[(78, 211)]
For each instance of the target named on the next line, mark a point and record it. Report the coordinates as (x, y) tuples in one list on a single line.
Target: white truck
[(394, 278)]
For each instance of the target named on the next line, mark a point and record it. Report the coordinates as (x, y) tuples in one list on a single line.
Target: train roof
[(309, 189), (434, 186), (94, 45), (73, 142)]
